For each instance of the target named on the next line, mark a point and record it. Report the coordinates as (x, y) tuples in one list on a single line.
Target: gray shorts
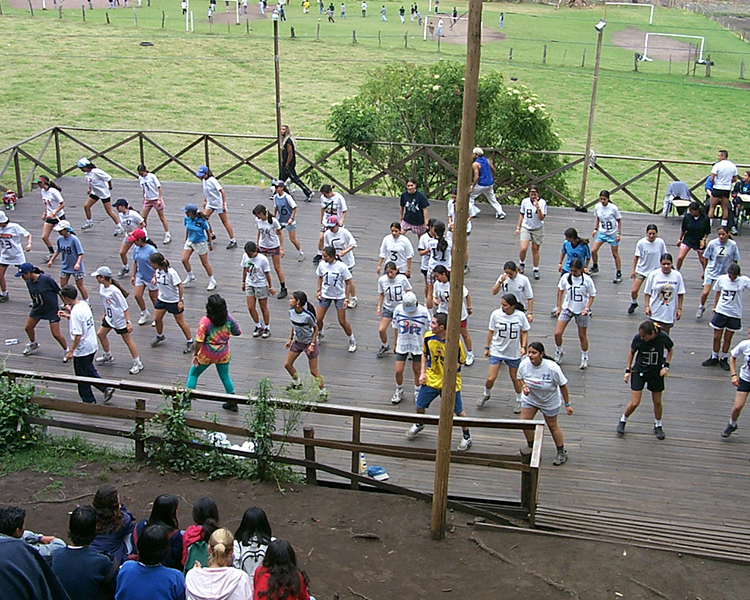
[(261, 292), (581, 320), (326, 302), (546, 411), (535, 236), (151, 287), (386, 313)]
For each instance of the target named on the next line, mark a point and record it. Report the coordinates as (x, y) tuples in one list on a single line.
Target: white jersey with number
[(531, 220), (398, 250), (333, 279), (82, 323), (506, 333), (98, 181), (212, 193), (341, 240), (578, 291), (150, 185), (168, 283), (664, 291), (393, 290), (52, 199), (719, 257), (649, 255), (257, 267), (411, 327), (742, 352), (335, 205), (441, 293), (115, 306), (12, 242), (730, 298), (130, 221), (544, 383), (438, 257), (269, 237), (422, 245), (519, 286), (608, 216)]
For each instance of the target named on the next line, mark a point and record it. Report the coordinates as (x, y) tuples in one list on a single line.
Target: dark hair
[(412, 180), (604, 193), (649, 327), (254, 523), (725, 153), (153, 545), (442, 319), (576, 263), (82, 525), (666, 256), (513, 301), (209, 172), (441, 270), (726, 230), (158, 259), (206, 514), (431, 222), (696, 206), (454, 191), (141, 168), (572, 233), (652, 227), (69, 292), (325, 188), (117, 284), (107, 504), (534, 187), (216, 310), (281, 563), (391, 265), (510, 265), (260, 209), (48, 182), (301, 297), (539, 347), (164, 512), (734, 269), (11, 519), (439, 228), (395, 225), (331, 252), (250, 247)]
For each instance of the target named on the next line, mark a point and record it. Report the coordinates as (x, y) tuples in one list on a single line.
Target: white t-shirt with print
[(335, 205), (664, 290), (12, 241), (544, 383), (168, 283), (578, 291), (115, 306), (257, 267), (212, 192), (436, 257), (398, 250), (441, 292), (531, 220), (742, 352), (269, 238), (393, 290), (411, 328), (334, 277), (422, 245), (341, 240), (52, 199), (519, 286), (98, 181), (608, 216), (730, 299), (506, 333), (150, 185), (130, 221), (82, 323)]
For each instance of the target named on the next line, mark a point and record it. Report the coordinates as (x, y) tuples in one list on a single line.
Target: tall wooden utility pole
[(600, 29), (453, 336), (277, 75)]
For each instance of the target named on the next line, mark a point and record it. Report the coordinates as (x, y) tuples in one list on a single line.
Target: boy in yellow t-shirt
[(431, 377)]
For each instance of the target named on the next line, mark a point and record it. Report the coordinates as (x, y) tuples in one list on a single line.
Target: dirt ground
[(659, 48), (399, 560)]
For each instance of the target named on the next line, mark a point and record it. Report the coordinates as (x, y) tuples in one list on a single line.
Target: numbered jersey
[(269, 237), (441, 294), (130, 221), (730, 295), (398, 250), (257, 267), (422, 245), (168, 283), (411, 328), (531, 220), (608, 216), (12, 243), (341, 240), (393, 290), (82, 323), (519, 286), (333, 277), (650, 354), (578, 291), (98, 181), (664, 291), (150, 185), (115, 306), (544, 383), (437, 256), (52, 199), (719, 257), (506, 333), (335, 205), (742, 352)]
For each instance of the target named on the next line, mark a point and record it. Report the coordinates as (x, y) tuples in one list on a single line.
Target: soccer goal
[(701, 60), (651, 6)]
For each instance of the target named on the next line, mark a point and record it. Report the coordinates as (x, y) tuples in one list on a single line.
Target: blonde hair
[(221, 545)]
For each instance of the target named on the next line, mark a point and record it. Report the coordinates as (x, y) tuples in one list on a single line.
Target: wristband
[(734, 374), (628, 370), (567, 404), (486, 347), (666, 364)]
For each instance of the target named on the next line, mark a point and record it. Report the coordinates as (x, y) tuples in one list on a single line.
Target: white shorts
[(151, 287), (200, 248), (709, 281)]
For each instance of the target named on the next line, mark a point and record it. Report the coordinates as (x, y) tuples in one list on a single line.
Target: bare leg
[(341, 314), (183, 325)]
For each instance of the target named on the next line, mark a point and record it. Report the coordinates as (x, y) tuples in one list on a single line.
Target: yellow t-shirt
[(434, 351)]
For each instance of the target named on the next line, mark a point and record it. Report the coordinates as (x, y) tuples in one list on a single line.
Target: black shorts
[(104, 200), (720, 321), (106, 325), (45, 315), (720, 193), (743, 385), (54, 220), (638, 381), (173, 308)]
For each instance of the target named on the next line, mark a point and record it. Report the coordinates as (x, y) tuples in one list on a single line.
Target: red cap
[(138, 234)]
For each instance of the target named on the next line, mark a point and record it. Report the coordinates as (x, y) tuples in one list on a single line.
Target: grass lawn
[(220, 78)]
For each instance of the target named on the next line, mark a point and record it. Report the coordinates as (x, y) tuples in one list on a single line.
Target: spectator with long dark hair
[(114, 525), (163, 514), (195, 538), (150, 576), (251, 540), (279, 578), (288, 165)]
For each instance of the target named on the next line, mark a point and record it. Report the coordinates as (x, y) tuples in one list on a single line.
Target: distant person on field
[(401, 13), (364, 9), (382, 13)]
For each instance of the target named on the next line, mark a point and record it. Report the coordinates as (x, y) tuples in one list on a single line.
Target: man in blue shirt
[(483, 184)]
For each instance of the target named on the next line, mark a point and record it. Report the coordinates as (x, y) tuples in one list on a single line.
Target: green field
[(220, 78)]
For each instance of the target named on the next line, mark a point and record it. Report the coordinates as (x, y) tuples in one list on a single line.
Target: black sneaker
[(712, 362), (632, 307), (621, 428), (317, 259), (659, 433), (594, 269), (724, 363), (729, 430), (230, 406), (282, 293)]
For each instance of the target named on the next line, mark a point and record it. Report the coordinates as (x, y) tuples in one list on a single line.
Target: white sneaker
[(300, 256), (87, 225), (65, 356), (483, 400), (559, 353), (584, 363), (517, 409), (464, 444), (414, 430), (211, 284), (118, 231), (189, 278), (700, 311), (352, 345), (145, 316), (469, 359), (30, 348), (136, 368), (167, 237), (353, 302), (104, 358), (398, 396)]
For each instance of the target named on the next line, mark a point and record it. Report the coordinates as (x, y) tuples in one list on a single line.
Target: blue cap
[(202, 170), (190, 208), (26, 267)]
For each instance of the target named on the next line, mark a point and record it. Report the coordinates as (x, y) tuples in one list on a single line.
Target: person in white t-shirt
[(723, 175), (397, 248), (507, 339), (720, 252), (410, 321), (513, 282), (332, 204), (130, 220), (54, 210), (99, 188), (440, 296), (740, 380), (116, 316), (438, 250), (169, 300), (575, 295), (424, 254), (608, 229), (664, 294), (473, 211), (727, 318), (256, 283), (152, 199), (648, 253), (530, 228), (83, 346), (215, 200), (391, 289), (11, 249), (334, 285), (270, 242), (343, 241)]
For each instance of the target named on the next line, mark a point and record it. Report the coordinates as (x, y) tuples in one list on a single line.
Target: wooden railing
[(176, 154), (138, 416)]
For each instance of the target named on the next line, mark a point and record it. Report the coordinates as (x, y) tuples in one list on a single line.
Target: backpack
[(196, 551)]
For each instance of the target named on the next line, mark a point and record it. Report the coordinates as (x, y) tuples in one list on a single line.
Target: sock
[(561, 448), (400, 388), (714, 355), (619, 273), (259, 324), (536, 268), (467, 435), (558, 348), (585, 355), (657, 422), (282, 284), (233, 240), (633, 301), (723, 222), (623, 419), (486, 391), (295, 378), (417, 388), (352, 338), (733, 423), (724, 355), (319, 253), (3, 293), (384, 344), (51, 249), (190, 341)]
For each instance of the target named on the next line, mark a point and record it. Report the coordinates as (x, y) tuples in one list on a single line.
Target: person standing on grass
[(575, 295), (215, 200), (402, 13), (197, 232), (396, 248), (364, 8), (143, 272), (334, 286), (303, 337), (44, 291), (652, 350), (608, 229), (70, 249), (662, 285), (414, 205), (285, 210), (256, 283), (84, 343), (116, 316), (648, 253), (270, 241), (152, 199), (391, 289), (344, 243), (212, 346), (130, 220), (11, 249), (431, 377), (531, 228), (545, 389), (382, 14), (719, 254), (99, 188), (169, 300), (289, 159), (54, 210), (513, 282), (410, 321), (723, 175), (695, 229)]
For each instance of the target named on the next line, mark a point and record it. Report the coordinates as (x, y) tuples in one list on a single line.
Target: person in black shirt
[(413, 209), (695, 229), (43, 290), (652, 350), (289, 157)]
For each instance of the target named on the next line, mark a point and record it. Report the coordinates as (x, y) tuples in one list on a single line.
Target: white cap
[(62, 225), (478, 151), (103, 271), (410, 302), (3, 217)]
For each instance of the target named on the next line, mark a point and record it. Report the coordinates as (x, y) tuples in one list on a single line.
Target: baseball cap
[(121, 202), (83, 162), (202, 170), (62, 225), (3, 217), (332, 221), (26, 267), (103, 271), (478, 151), (190, 208), (138, 234), (278, 182), (410, 302)]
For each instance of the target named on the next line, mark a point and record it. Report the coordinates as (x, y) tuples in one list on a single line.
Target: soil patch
[(398, 560), (456, 33), (659, 47)]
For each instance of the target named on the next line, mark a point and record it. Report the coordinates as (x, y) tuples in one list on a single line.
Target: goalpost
[(645, 56), (651, 18)]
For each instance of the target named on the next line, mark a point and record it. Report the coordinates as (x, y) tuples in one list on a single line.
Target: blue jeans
[(84, 366)]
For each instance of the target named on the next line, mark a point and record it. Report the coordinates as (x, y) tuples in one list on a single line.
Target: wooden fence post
[(247, 26), (354, 36), (379, 42), (139, 430), (351, 171), (544, 55), (163, 15), (635, 62), (311, 474), (583, 59), (438, 43), (317, 33), (293, 35), (31, 8), (17, 168), (205, 151), (656, 191), (565, 55), (356, 433), (742, 66), (708, 66), (406, 40), (1, 9), (510, 54), (141, 148), (107, 15), (135, 17), (58, 159), (59, 9), (526, 483), (670, 64)]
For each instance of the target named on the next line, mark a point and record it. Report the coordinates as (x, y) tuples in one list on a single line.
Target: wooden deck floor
[(693, 473)]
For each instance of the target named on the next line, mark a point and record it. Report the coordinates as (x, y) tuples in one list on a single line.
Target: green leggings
[(222, 368)]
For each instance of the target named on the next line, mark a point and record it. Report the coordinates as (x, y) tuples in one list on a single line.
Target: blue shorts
[(609, 238), (427, 394), (288, 227), (326, 302), (511, 362)]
